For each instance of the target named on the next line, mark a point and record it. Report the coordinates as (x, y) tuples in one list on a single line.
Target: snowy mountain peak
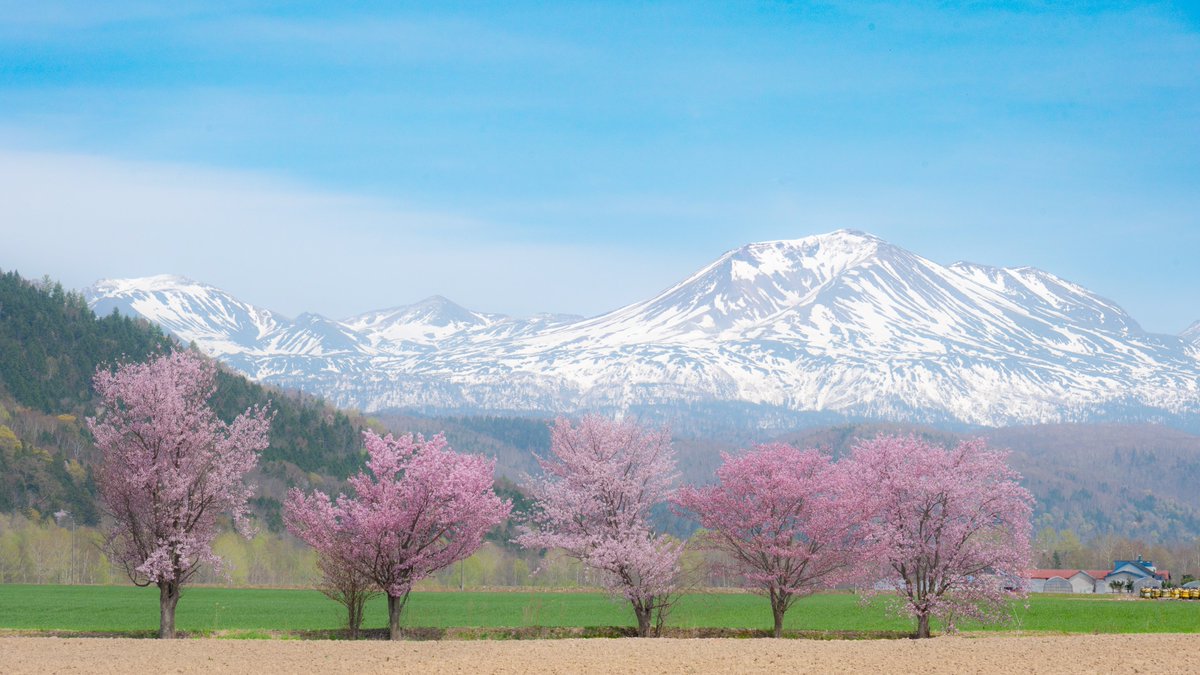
[(742, 288), (157, 282), (824, 256), (439, 311), (425, 322), (1192, 334), (845, 238), (191, 310), (839, 323)]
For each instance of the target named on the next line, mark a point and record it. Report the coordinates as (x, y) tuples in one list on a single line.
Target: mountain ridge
[(844, 323), (1192, 334)]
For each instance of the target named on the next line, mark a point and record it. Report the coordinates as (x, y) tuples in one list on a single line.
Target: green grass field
[(203, 610)]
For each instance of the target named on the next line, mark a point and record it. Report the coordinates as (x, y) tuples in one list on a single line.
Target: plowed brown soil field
[(984, 654)]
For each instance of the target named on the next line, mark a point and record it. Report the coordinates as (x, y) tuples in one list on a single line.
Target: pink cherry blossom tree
[(169, 469), (593, 501), (950, 528), (421, 507), (784, 519), (315, 521)]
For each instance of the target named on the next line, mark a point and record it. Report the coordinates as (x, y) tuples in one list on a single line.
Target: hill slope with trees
[(50, 347)]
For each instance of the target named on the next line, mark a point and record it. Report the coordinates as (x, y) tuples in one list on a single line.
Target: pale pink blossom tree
[(314, 520), (593, 501), (169, 469), (422, 507), (784, 519), (950, 527)]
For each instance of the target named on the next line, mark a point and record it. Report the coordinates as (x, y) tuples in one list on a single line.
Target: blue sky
[(523, 157)]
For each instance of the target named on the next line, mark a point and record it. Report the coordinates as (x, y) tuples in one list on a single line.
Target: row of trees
[(947, 530)]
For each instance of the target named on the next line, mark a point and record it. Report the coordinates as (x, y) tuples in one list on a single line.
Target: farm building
[(1139, 572), (1065, 581)]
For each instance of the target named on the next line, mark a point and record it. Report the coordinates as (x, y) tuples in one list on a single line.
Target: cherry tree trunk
[(923, 626), (168, 598), (395, 606), (354, 618), (643, 619), (778, 612), (779, 607)]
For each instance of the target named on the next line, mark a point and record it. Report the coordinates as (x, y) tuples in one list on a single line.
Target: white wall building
[(1138, 572)]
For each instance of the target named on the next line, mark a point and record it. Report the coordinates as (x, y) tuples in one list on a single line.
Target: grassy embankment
[(277, 612)]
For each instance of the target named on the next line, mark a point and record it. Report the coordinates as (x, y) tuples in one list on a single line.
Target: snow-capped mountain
[(841, 323), (192, 311), (426, 322), (1192, 334)]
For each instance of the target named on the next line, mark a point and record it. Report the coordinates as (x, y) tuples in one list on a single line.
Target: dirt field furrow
[(991, 654)]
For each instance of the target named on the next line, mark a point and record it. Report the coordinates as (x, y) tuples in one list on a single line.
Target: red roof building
[(1132, 572)]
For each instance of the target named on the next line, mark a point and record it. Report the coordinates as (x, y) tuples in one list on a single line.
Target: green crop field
[(127, 609)]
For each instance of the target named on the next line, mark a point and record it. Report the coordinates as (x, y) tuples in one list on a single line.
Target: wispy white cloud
[(289, 246)]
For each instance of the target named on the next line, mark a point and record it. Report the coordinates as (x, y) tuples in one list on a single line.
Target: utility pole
[(60, 516)]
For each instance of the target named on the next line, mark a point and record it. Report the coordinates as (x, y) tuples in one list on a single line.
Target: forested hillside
[(50, 346)]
